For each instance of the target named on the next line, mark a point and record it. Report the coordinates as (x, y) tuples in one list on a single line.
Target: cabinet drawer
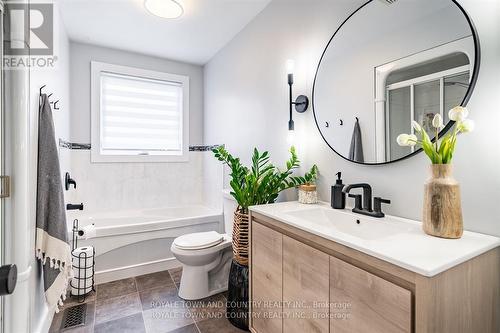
[(266, 279), (305, 288), (362, 302)]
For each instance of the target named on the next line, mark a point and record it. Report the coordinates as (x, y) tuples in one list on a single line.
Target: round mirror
[(391, 62)]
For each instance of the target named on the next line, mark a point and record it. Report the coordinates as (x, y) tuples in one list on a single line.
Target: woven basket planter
[(240, 237)]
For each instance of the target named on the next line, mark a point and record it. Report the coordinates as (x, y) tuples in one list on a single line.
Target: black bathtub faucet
[(74, 207)]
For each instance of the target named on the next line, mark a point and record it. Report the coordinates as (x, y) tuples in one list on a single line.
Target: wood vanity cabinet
[(301, 283), (305, 288), (373, 304), (267, 279)]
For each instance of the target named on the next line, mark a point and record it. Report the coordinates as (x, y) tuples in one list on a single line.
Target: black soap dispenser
[(338, 197)]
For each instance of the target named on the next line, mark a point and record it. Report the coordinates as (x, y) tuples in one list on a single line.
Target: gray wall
[(82, 54), (246, 105)]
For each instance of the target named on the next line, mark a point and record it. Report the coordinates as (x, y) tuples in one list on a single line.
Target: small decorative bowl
[(308, 194)]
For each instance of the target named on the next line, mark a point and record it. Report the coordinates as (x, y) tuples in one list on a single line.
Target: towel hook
[(341, 122), (357, 119), (40, 95), (55, 105)]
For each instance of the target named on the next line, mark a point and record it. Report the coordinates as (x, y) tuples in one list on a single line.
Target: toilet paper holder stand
[(83, 267)]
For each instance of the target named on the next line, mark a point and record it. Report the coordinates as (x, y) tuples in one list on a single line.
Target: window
[(138, 115)]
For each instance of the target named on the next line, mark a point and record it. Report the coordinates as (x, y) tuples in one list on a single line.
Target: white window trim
[(96, 156)]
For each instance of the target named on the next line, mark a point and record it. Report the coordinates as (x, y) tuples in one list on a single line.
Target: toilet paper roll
[(83, 257), (83, 273), (83, 261), (87, 232), (84, 288)]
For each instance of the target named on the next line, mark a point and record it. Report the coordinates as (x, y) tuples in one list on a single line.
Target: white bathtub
[(131, 243)]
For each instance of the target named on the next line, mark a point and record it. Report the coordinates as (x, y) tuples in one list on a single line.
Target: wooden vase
[(442, 204)]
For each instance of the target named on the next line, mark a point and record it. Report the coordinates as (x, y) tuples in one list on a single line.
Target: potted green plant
[(308, 193), (259, 183), (442, 213)]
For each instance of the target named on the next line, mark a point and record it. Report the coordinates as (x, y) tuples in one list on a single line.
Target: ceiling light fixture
[(169, 9)]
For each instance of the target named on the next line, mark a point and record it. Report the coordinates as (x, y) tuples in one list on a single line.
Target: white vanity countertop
[(399, 241)]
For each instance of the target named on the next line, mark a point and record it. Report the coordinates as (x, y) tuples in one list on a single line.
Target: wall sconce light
[(301, 102)]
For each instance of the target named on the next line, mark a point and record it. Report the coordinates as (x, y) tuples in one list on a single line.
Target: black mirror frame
[(475, 73)]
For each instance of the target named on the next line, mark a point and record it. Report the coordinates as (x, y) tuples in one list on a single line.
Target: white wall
[(81, 56), (246, 106), (57, 81)]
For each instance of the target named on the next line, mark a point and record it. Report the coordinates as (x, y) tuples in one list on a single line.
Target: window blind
[(140, 115)]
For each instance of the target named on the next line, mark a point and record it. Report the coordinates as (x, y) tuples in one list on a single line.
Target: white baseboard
[(136, 270)]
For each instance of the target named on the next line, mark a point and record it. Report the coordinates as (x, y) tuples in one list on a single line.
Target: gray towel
[(356, 150), (51, 228)]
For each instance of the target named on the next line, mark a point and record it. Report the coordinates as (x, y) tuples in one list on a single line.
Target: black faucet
[(366, 208), (74, 207), (367, 194), (68, 181)]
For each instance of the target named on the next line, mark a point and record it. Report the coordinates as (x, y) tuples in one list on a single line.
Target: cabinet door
[(305, 288), (266, 277), (362, 302)]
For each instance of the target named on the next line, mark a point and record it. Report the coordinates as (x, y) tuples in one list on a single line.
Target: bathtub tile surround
[(106, 187), (148, 307)]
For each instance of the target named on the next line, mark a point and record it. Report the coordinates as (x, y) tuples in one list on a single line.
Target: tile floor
[(148, 304)]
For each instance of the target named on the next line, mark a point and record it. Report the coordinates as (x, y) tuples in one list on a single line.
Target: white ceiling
[(205, 27)]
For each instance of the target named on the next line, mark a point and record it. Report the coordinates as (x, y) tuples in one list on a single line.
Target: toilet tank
[(229, 206)]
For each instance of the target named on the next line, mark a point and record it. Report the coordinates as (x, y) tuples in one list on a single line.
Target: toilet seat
[(199, 240)]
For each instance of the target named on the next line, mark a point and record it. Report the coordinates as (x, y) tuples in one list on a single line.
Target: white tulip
[(466, 126), (416, 126), (458, 113), (402, 139), (412, 140), (405, 140), (437, 122)]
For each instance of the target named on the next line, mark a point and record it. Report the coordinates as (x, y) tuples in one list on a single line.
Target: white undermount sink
[(355, 225)]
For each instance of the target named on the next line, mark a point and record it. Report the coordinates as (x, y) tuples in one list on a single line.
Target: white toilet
[(206, 258)]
